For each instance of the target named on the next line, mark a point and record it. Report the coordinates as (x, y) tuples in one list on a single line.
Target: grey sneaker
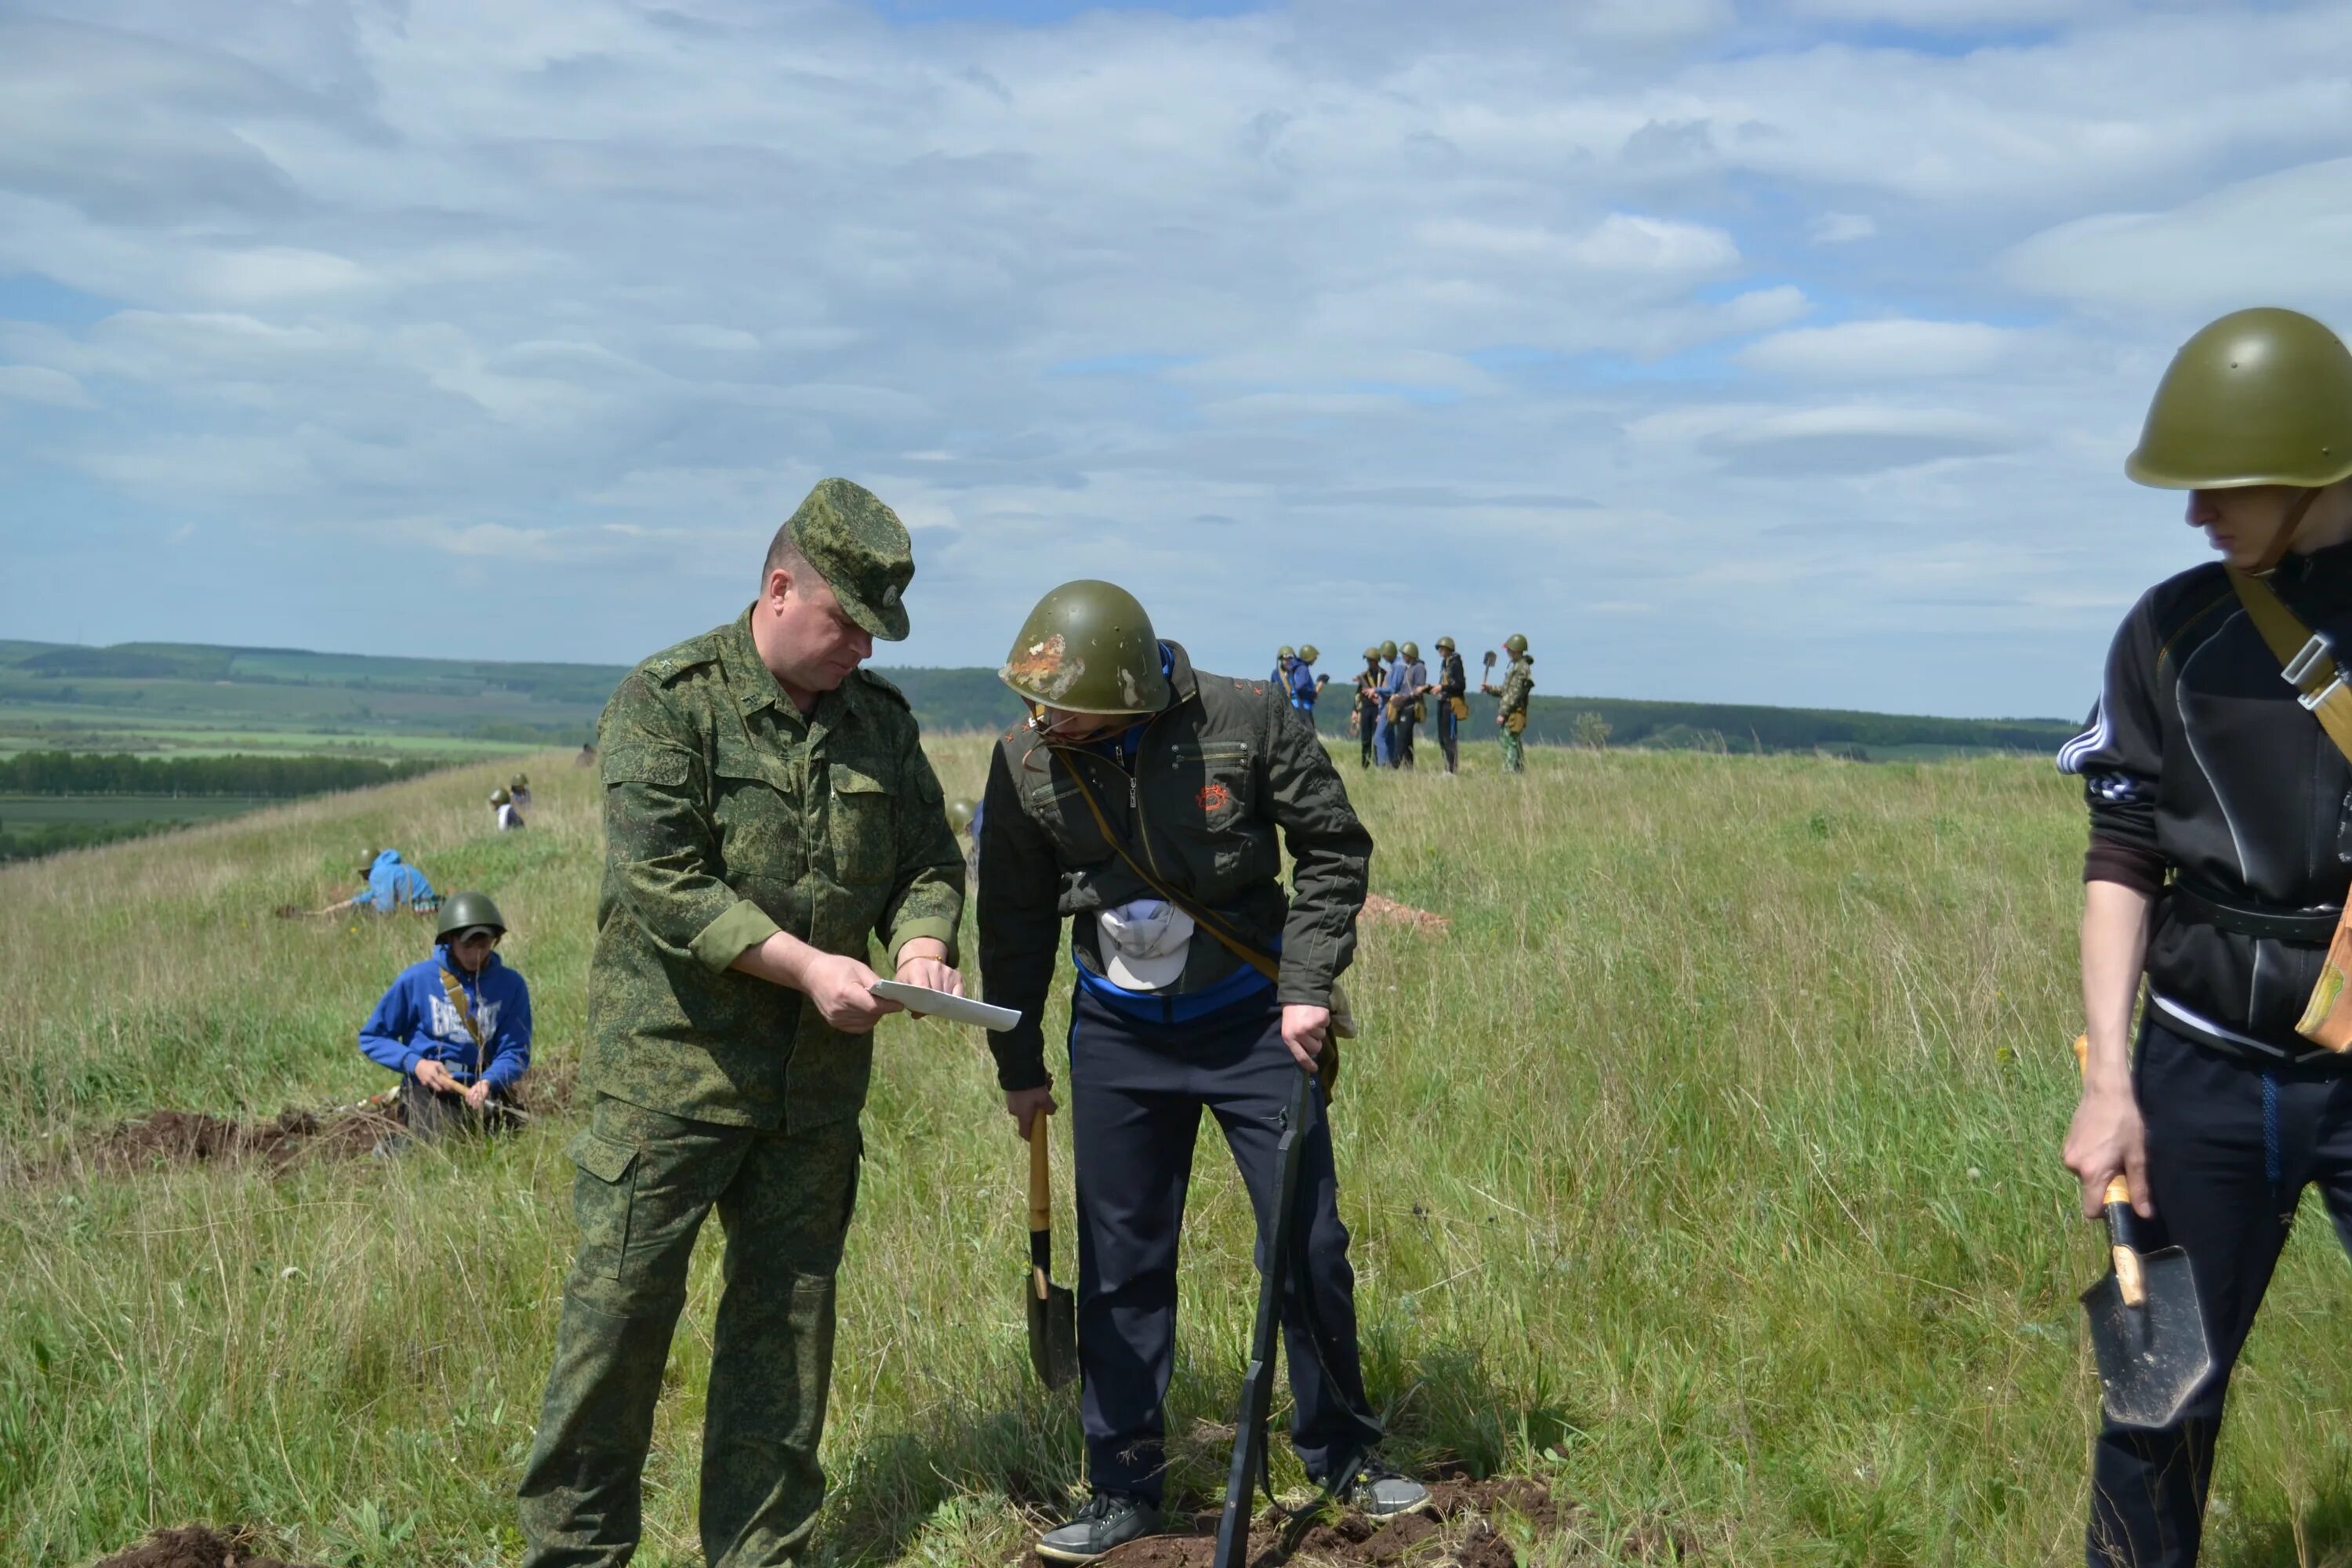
[(1380, 1491), (1108, 1519)]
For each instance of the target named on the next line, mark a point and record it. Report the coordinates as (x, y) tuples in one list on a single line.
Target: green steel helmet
[(520, 781), (1388, 650), (1308, 652), (500, 797), (1286, 651), (1445, 645), (1087, 648), (2259, 397), (1371, 656), (467, 909), (1410, 650), (1516, 644), (959, 814)]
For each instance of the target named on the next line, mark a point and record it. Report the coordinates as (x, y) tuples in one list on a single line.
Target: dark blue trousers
[(2230, 1146), (1137, 1091)]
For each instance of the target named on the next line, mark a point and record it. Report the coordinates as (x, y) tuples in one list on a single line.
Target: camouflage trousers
[(644, 1182), (1515, 754)]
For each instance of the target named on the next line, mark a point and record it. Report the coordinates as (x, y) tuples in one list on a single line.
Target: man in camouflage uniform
[(1511, 712), (768, 814)]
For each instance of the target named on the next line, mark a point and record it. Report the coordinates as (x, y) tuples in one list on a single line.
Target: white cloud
[(1839, 228), (38, 384), (600, 287), (2282, 239), (1882, 351)]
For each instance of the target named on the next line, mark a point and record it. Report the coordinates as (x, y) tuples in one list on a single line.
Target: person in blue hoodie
[(456, 1026), (391, 884)]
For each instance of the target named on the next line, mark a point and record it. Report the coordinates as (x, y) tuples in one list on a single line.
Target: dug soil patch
[(1382, 910), (1459, 1529), (194, 1546), (192, 1137)]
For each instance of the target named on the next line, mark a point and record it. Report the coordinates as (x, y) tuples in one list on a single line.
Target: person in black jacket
[(1137, 824), (1453, 685), (2221, 853)]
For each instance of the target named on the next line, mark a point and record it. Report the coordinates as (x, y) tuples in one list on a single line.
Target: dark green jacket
[(1218, 772), (729, 815)]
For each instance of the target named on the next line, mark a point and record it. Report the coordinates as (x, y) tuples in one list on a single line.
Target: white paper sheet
[(946, 1004)]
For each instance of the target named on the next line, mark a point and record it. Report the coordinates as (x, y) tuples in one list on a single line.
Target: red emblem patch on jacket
[(1213, 798)]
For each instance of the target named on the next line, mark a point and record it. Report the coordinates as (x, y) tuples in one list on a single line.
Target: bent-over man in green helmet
[(2216, 878), (456, 1026), (1146, 803), (769, 815)]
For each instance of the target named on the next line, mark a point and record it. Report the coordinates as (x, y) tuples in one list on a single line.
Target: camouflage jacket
[(1516, 686), (1216, 777), (729, 815)]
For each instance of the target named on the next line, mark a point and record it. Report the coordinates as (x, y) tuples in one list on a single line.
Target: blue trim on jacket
[(415, 1022)]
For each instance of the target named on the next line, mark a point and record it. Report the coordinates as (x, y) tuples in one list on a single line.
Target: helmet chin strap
[(2275, 551)]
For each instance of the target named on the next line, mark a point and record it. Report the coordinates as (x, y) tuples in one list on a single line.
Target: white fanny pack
[(1144, 944)]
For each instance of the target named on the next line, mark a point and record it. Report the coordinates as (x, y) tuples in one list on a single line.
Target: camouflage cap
[(861, 548)]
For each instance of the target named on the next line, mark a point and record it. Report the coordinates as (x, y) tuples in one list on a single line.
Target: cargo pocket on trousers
[(601, 1197)]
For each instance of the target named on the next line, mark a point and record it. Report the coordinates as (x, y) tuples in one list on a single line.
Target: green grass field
[(1706, 1171)]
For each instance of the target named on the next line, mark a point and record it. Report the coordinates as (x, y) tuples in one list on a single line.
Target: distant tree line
[(118, 772), (35, 840)]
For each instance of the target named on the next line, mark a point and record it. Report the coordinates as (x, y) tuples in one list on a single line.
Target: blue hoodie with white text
[(415, 1022)]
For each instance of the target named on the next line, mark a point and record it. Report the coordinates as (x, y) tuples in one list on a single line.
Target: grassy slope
[(1707, 1168)]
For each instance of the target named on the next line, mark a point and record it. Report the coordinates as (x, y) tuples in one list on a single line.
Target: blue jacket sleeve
[(510, 1050), (383, 1039)]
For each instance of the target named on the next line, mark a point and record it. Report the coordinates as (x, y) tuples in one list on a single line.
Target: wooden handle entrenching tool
[(2128, 1278), (1052, 1312), (2147, 1329)]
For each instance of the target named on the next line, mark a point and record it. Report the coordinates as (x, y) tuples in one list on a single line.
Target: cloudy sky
[(1781, 352)]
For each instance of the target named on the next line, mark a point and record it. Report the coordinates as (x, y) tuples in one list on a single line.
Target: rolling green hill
[(194, 698)]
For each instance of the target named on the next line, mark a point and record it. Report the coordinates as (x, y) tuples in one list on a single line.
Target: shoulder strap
[(2306, 659), (456, 995)]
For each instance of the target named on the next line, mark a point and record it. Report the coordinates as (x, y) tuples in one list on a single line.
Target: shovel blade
[(2154, 1356), (1053, 1332)]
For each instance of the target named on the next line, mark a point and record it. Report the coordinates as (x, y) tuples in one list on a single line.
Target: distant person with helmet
[(518, 789), (1147, 804), (769, 815), (2215, 877), (392, 885), (1284, 658), (1511, 709), (1366, 720), (1305, 686), (1384, 724), (503, 807), (1452, 691), (1407, 685), (456, 1026)]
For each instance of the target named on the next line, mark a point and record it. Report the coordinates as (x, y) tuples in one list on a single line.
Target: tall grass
[(1706, 1170)]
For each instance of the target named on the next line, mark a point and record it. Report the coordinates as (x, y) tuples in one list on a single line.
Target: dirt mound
[(192, 1137), (1381, 911), (1458, 1530), (194, 1546)]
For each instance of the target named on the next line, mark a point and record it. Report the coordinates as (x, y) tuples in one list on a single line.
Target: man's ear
[(777, 588)]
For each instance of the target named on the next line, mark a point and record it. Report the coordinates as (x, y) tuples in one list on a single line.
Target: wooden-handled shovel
[(1052, 1313), (2147, 1331)]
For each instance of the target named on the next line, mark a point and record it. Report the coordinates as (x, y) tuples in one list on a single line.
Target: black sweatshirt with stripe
[(2202, 769)]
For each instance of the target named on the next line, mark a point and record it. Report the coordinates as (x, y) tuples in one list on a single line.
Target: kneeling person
[(456, 1025), (1144, 799)]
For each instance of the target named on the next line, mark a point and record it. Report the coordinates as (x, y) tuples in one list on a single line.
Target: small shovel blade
[(1053, 1331), (2152, 1357)]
